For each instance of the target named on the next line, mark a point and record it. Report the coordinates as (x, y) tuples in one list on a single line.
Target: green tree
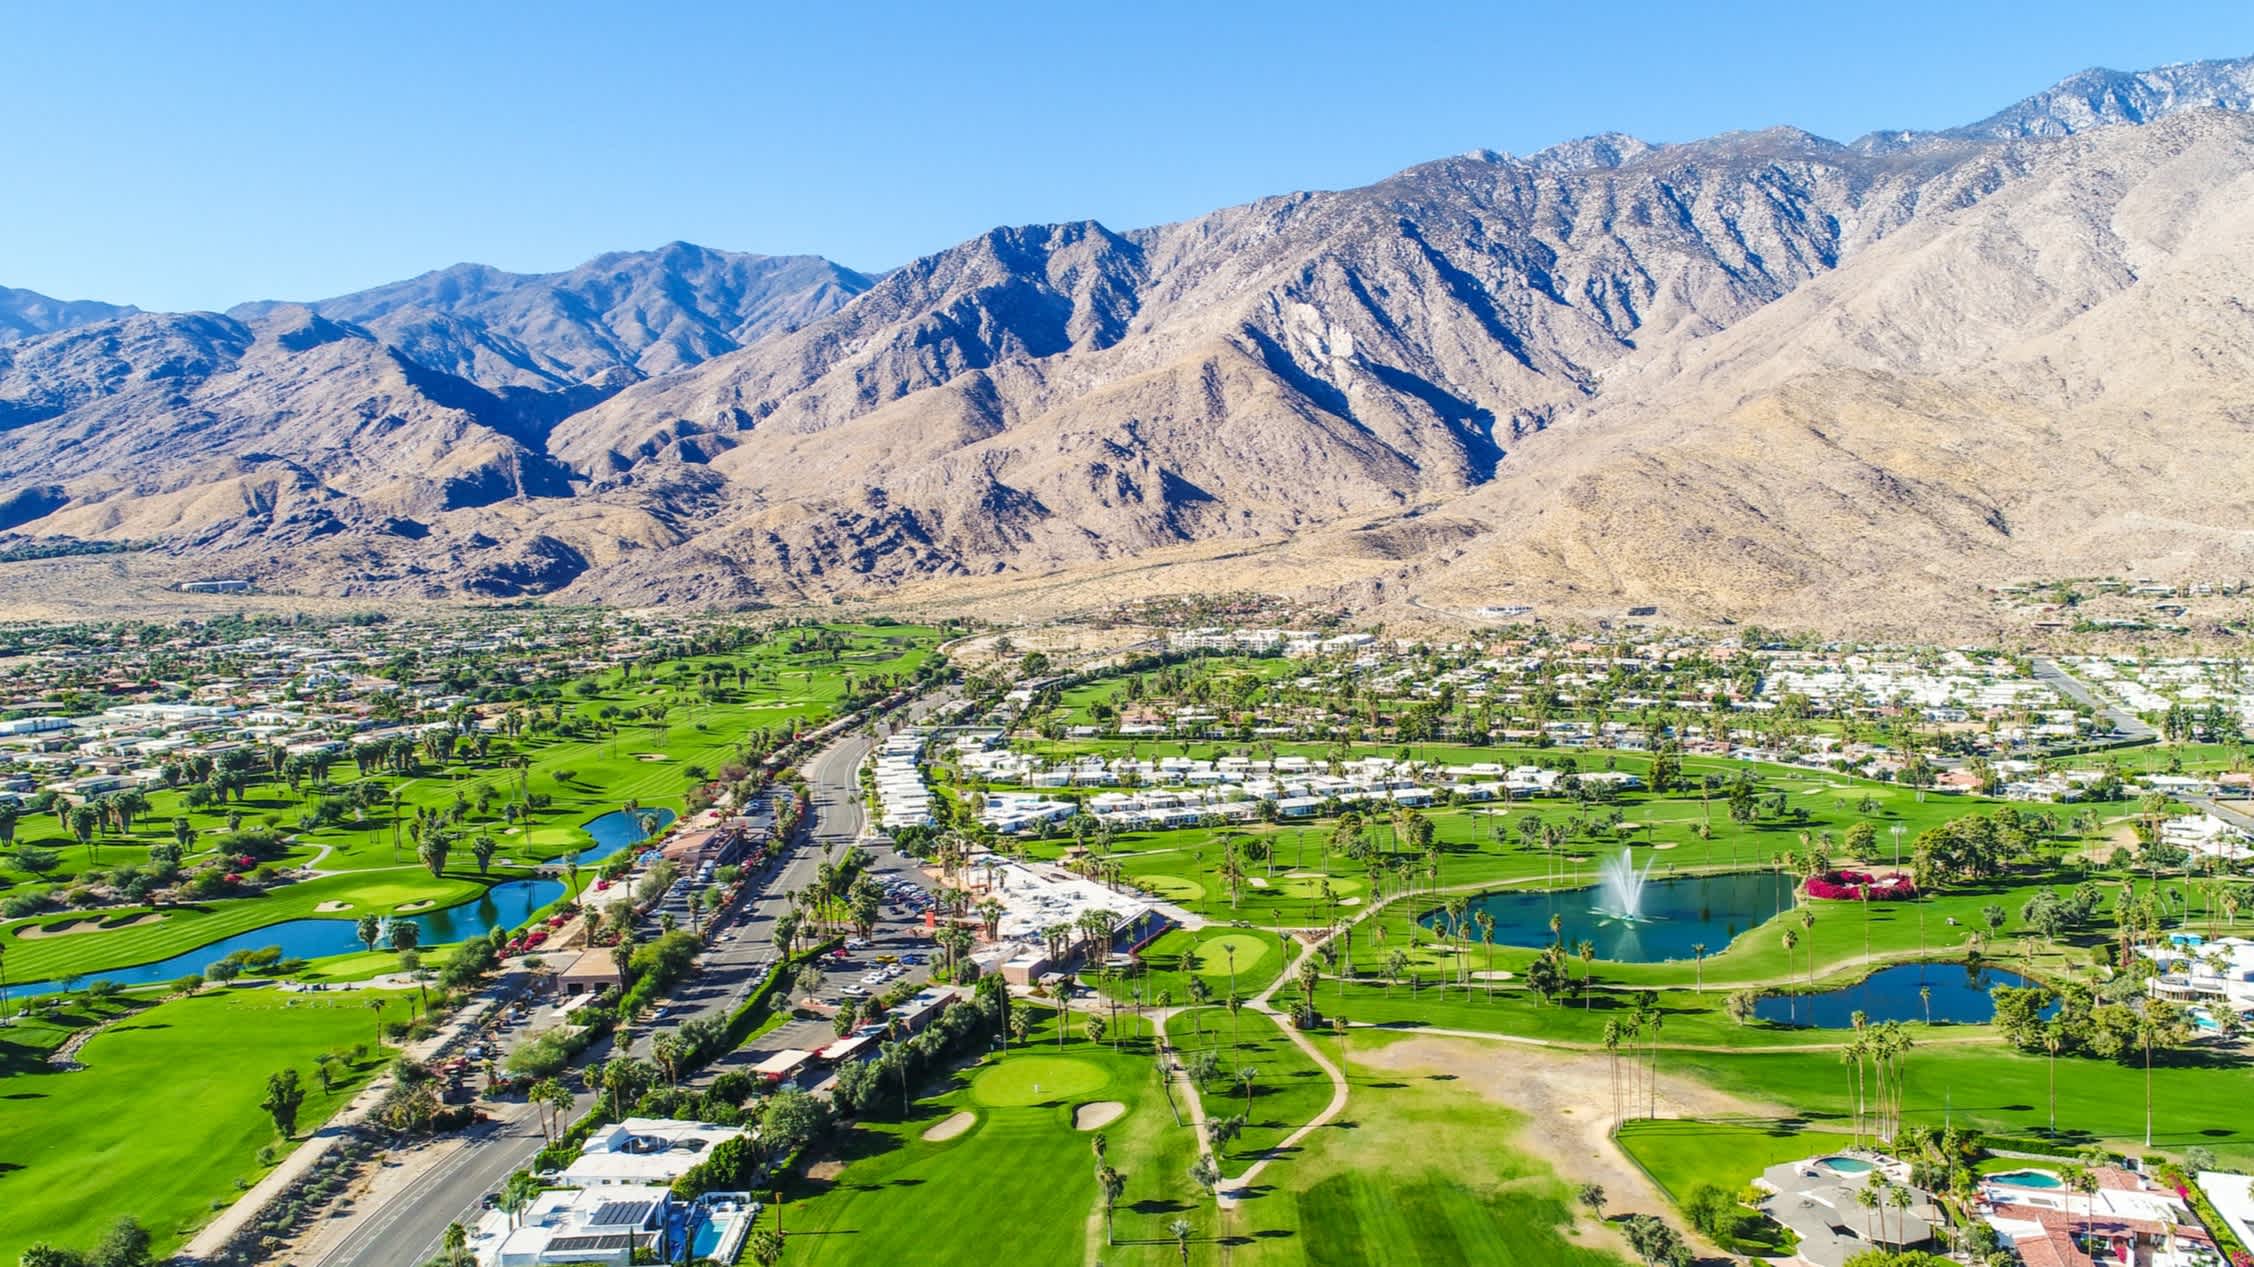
[(285, 1094), (125, 1244)]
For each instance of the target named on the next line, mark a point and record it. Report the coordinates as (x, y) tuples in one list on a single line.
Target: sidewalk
[(214, 1236)]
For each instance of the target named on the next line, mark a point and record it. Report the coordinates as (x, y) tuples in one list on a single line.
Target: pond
[(506, 905), (616, 830), (1959, 996), (1676, 914)]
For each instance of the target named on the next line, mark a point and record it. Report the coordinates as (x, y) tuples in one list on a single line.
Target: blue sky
[(196, 155)]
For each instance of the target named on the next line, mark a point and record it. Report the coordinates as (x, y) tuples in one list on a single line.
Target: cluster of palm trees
[(1882, 1052), (1878, 1192), (87, 819), (1638, 1077)]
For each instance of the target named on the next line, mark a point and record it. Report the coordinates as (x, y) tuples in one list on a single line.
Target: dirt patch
[(1096, 1116), (824, 1171), (1567, 1102), (952, 1127), (326, 907), (90, 925)]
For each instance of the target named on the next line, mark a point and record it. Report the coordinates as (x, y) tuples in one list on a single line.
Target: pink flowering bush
[(1854, 886)]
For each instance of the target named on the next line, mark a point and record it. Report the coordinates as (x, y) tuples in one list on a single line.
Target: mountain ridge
[(1478, 374)]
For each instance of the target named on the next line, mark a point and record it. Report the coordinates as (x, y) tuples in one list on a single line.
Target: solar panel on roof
[(583, 1244), (616, 1213)]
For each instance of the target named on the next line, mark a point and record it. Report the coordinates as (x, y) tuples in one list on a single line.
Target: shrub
[(1855, 886)]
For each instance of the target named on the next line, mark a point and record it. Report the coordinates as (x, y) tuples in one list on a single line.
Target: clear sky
[(195, 155)]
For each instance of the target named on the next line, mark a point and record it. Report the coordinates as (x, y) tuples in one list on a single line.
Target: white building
[(645, 1150)]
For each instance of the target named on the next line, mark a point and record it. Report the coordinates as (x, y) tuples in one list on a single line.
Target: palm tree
[(376, 1006), (456, 1243), (1698, 965), (1111, 1184), (1180, 1229), (2054, 1037)]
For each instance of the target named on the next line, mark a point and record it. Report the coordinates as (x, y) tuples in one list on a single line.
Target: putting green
[(1032, 1079), (1173, 888), (1211, 958), (1307, 886)]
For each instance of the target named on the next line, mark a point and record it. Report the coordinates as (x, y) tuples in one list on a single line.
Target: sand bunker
[(1257, 882), (1349, 901), (651, 756), (1096, 1116), (952, 1127), (1495, 975), (92, 924), (326, 907), (416, 906)]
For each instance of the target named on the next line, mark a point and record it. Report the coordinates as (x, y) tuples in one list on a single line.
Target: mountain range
[(1758, 376)]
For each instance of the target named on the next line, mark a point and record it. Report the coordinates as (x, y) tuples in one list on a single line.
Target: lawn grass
[(1999, 1090), (1683, 1154), (165, 1118), (1417, 1172), (1021, 1176), (1288, 1087)]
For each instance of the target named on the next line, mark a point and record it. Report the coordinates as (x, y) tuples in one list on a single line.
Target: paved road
[(2125, 723), (406, 1229)]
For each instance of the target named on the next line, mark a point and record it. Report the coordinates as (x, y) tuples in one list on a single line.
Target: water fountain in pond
[(1620, 892)]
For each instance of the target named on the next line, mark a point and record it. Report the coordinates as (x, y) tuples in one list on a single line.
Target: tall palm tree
[(1180, 1230), (1111, 1184)]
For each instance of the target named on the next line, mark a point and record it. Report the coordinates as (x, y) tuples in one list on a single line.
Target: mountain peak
[(27, 313), (2099, 97)]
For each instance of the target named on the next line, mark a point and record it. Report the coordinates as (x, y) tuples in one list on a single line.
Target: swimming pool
[(1845, 1165), (2027, 1179)]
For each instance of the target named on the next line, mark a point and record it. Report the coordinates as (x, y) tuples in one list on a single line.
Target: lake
[(1959, 996), (1678, 913), (507, 905)]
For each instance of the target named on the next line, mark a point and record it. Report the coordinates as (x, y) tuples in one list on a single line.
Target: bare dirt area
[(951, 1127), (1565, 1097)]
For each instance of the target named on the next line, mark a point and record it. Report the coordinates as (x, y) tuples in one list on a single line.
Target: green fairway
[(1419, 1172), (1996, 1089), (1038, 1079), (1023, 1175), (1285, 1089), (165, 1117)]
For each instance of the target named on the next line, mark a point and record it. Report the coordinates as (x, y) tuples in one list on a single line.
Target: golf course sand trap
[(416, 906), (1096, 1116), (332, 905), (1664, 844), (1497, 974), (952, 1127), (1258, 883), (651, 756), (92, 924)]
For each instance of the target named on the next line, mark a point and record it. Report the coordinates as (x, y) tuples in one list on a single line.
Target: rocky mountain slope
[(26, 313), (619, 316), (1763, 375)]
